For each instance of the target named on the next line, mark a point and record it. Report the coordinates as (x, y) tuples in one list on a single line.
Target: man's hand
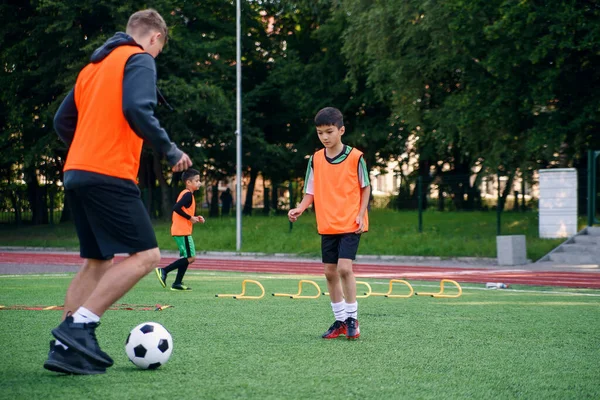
[(184, 163), (294, 213)]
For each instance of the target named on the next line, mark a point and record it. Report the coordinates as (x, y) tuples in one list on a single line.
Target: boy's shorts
[(186, 246), (334, 247), (110, 220)]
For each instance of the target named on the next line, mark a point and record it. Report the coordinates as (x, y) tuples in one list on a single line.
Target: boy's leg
[(348, 248), (329, 249), (188, 251)]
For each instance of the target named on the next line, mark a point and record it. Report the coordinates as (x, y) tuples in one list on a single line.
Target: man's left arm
[(65, 120)]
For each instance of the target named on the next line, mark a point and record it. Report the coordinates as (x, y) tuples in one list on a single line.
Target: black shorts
[(110, 220), (334, 247)]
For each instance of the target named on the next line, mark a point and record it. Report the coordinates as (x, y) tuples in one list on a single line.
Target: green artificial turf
[(541, 343)]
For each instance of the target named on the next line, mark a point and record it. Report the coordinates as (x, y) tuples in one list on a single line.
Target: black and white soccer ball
[(149, 345)]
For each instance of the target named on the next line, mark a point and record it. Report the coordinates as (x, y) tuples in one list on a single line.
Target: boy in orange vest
[(181, 230), (337, 180), (104, 120)]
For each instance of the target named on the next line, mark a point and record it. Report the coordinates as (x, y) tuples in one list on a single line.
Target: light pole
[(238, 131)]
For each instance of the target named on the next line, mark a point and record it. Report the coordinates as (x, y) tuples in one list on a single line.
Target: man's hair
[(189, 174), (144, 21), (329, 116)]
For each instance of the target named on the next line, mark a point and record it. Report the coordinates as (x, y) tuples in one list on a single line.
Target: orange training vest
[(182, 226), (104, 142), (337, 194)]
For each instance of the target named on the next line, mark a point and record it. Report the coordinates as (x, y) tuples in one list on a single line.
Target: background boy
[(104, 121), (337, 180), (181, 230)]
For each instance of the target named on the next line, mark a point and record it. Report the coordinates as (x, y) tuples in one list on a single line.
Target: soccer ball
[(149, 345)]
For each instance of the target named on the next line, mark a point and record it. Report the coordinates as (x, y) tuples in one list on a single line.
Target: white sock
[(339, 310), (59, 343), (83, 315), (352, 310)]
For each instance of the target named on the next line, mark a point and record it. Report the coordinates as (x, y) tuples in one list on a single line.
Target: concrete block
[(511, 250)]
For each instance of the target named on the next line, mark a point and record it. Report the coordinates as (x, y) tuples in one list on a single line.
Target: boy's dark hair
[(144, 21), (329, 116), (189, 174)]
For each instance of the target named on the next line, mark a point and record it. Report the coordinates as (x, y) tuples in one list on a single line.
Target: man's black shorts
[(334, 247), (110, 220)]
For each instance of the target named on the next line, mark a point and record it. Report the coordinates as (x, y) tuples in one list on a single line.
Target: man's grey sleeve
[(139, 102), (65, 120)]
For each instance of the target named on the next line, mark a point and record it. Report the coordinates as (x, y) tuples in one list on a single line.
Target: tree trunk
[(214, 201), (250, 192), (36, 197), (266, 202), (506, 191), (165, 192), (14, 199), (274, 196)]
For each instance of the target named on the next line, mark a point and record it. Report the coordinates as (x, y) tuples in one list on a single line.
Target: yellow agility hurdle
[(391, 288), (243, 296), (299, 294), (367, 293), (441, 294)]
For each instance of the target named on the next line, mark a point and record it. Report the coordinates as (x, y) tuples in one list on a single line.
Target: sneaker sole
[(181, 290), (80, 348), (354, 337), (63, 368), (160, 279)]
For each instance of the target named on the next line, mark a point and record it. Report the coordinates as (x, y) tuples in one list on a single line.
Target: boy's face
[(330, 135), (193, 183)]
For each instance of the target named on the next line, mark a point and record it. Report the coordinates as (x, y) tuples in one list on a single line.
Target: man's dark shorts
[(110, 220), (334, 247)]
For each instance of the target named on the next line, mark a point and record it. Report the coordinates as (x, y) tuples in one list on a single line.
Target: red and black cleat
[(336, 329), (353, 331)]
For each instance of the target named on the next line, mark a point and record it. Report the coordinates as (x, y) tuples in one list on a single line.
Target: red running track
[(387, 271)]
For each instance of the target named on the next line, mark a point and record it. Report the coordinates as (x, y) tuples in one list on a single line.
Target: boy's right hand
[(195, 219), (294, 213)]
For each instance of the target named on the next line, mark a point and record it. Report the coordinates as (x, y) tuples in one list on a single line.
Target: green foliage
[(490, 82)]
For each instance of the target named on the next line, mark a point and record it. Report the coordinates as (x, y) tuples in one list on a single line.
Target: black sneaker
[(336, 329), (180, 288), (353, 329), (68, 361), (82, 337), (162, 276)]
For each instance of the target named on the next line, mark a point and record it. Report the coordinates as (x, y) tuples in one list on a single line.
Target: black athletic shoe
[(162, 276), (353, 329), (180, 288), (70, 362), (82, 337), (336, 329)]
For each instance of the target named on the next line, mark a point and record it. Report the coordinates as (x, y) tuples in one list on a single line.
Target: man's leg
[(117, 281), (114, 283), (84, 283)]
